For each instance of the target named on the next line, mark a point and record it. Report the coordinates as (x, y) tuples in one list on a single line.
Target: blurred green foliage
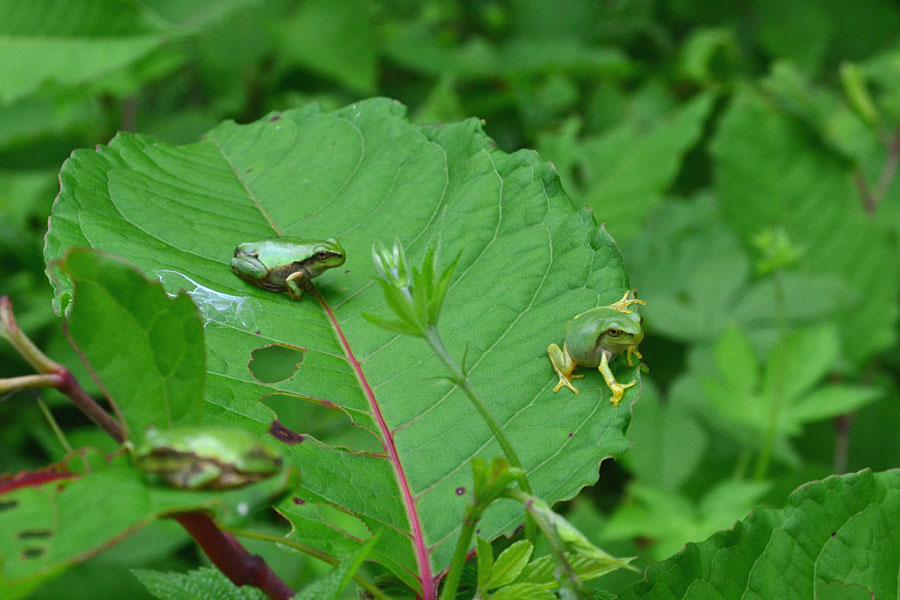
[(743, 154)]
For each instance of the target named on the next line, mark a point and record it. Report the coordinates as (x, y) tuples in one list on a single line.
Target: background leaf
[(528, 262), (70, 42)]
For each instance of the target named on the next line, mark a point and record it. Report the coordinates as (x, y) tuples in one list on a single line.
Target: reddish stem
[(230, 557)]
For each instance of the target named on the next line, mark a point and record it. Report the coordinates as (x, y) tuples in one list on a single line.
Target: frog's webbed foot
[(623, 304), (296, 282), (618, 390), (563, 365)]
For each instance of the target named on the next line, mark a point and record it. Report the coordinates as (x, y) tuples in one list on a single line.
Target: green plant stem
[(24, 346), (434, 340), (559, 553), (765, 454), (51, 374), (60, 436), (309, 550), (27, 382), (451, 582)]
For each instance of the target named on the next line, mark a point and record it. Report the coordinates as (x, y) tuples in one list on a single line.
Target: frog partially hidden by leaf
[(594, 338), (205, 457)]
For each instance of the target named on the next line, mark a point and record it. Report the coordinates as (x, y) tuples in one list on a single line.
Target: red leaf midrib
[(426, 578)]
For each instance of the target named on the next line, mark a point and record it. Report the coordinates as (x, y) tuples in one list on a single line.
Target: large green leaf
[(70, 42), (529, 261), (842, 529)]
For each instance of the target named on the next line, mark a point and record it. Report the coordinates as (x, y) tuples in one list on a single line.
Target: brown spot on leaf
[(31, 534), (460, 491), (283, 434), (275, 118), (299, 501), (29, 553)]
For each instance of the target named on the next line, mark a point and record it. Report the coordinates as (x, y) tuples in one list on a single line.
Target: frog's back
[(269, 251)]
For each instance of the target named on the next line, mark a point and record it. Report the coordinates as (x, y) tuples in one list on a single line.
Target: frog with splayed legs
[(594, 338), (286, 264)]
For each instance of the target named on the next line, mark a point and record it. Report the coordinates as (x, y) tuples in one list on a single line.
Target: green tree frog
[(596, 337), (206, 457), (286, 264)]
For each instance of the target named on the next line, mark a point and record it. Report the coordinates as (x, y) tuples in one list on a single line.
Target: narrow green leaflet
[(70, 42), (331, 585), (842, 529), (145, 348), (509, 564), (529, 261)]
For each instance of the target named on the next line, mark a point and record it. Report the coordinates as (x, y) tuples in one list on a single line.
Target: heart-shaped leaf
[(528, 262)]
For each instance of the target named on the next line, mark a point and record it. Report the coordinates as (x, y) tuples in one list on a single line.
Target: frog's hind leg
[(618, 390), (563, 365), (247, 266)]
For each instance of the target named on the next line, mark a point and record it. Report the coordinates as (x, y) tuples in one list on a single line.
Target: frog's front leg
[(633, 351), (296, 282), (248, 267), (618, 390), (195, 476), (563, 365)]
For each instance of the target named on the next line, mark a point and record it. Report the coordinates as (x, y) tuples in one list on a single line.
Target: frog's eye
[(614, 333), (323, 255)]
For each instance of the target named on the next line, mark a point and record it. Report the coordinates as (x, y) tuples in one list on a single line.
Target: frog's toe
[(618, 392), (567, 383)]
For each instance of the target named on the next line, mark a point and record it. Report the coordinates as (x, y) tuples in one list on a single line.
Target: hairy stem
[(571, 581), (765, 454)]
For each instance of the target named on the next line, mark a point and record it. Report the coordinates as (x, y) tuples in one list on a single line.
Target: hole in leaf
[(275, 363), (29, 553), (838, 591), (32, 534), (322, 419), (344, 521)]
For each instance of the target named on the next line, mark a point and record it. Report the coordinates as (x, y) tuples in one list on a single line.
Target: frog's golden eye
[(614, 333), (323, 255)]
